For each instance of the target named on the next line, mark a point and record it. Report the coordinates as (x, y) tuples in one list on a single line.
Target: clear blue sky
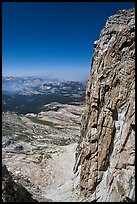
[(52, 39)]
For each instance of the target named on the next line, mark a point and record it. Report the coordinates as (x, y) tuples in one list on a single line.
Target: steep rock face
[(12, 191), (105, 154)]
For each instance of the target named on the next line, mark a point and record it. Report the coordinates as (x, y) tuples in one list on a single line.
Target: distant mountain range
[(30, 94), (34, 85)]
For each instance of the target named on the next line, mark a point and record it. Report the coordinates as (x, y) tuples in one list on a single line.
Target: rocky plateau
[(36, 148)]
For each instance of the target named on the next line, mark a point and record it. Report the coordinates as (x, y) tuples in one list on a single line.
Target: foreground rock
[(105, 155), (12, 191)]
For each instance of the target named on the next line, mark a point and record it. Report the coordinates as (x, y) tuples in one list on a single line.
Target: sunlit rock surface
[(105, 156)]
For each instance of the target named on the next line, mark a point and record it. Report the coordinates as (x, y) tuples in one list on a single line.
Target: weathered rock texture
[(12, 191), (106, 150)]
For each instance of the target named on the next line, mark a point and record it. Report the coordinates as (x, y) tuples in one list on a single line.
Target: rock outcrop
[(12, 191), (105, 155)]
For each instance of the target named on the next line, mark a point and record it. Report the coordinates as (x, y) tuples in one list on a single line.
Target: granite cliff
[(105, 155)]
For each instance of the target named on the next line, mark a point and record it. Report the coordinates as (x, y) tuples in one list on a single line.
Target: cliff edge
[(105, 155)]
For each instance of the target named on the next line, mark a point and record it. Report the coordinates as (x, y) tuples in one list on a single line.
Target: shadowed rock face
[(12, 191), (106, 150)]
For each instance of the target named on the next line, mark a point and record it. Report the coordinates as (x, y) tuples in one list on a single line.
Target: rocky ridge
[(105, 156)]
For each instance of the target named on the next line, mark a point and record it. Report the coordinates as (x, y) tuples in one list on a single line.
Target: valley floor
[(39, 150), (61, 176)]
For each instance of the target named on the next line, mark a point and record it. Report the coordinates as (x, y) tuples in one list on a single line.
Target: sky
[(52, 39)]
